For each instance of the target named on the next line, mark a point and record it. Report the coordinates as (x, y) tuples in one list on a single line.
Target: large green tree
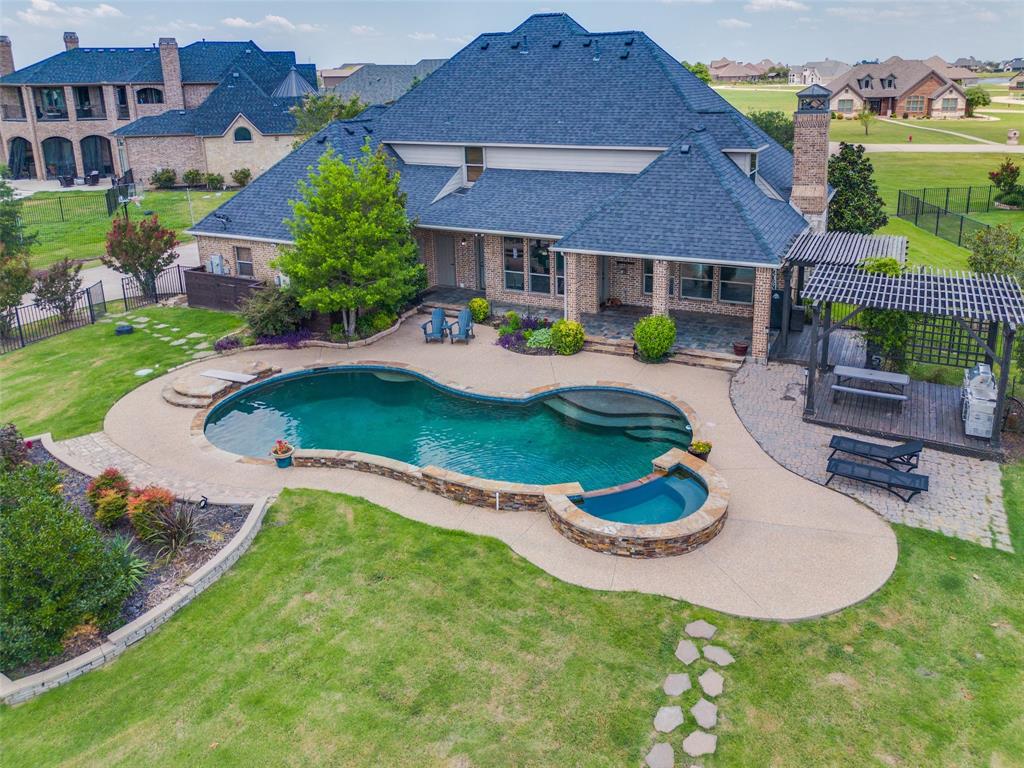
[(353, 248), (700, 70), (976, 97), (15, 243), (776, 124), (141, 250), (319, 109), (856, 205), (997, 249)]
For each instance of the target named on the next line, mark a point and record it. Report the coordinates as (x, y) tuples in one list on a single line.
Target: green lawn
[(83, 232), (351, 636), (749, 99), (66, 384)]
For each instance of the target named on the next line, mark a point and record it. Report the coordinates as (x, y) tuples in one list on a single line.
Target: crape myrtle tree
[(353, 246), (141, 250), (15, 244), (856, 205), (57, 288)]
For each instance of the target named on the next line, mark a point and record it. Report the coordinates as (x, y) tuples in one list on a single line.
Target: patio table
[(898, 382)]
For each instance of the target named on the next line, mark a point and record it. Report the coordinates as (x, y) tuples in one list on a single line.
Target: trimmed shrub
[(163, 178), (110, 508), (145, 508), (214, 181), (241, 176), (567, 337), (506, 330), (1014, 198), (540, 339), (654, 336), (110, 479), (57, 571), (193, 177), (480, 309), (272, 312), (135, 568), (512, 320), (13, 450), (374, 322)]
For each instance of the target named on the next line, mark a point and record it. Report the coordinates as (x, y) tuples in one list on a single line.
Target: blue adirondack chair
[(462, 328), (435, 328)]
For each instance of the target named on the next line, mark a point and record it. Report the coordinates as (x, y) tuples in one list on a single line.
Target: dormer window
[(474, 163), (753, 166)]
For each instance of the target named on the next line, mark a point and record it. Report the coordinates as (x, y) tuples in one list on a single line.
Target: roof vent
[(349, 131), (515, 45), (321, 139), (630, 41), (484, 46), (234, 74), (684, 149), (556, 44), (368, 129), (625, 55), (586, 43)]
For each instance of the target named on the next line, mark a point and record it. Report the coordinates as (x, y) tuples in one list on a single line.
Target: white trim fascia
[(228, 236), (529, 146), (618, 255), (746, 150), (478, 231)]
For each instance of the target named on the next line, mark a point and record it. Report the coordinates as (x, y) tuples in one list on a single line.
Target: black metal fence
[(957, 199), (30, 323), (60, 209), (940, 221), (170, 282)]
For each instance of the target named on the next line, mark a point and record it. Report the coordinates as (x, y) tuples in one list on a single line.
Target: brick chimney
[(174, 96), (810, 155), (6, 56), (70, 41)]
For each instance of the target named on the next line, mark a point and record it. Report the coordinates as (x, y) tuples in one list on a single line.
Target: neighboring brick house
[(59, 116), (898, 87), (672, 201), (1016, 84), (817, 72)]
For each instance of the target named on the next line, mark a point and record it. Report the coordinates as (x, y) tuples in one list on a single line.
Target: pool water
[(596, 436), (661, 500)]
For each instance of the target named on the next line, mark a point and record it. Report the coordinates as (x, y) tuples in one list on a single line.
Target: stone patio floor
[(965, 497), (790, 548), (694, 330)]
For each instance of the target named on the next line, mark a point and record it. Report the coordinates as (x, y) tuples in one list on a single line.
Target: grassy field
[(66, 384), (751, 98), (83, 232), (351, 636)]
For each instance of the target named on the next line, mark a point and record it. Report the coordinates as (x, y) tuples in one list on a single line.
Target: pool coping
[(469, 489)]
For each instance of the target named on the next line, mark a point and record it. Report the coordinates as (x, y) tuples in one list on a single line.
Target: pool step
[(719, 361), (617, 403), (174, 397), (658, 434), (584, 416)]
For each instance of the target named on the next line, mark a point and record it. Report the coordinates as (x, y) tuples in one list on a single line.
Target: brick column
[(580, 285), (659, 292), (762, 314)]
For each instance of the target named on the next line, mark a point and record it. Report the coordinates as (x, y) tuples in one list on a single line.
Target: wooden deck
[(845, 347), (932, 414)]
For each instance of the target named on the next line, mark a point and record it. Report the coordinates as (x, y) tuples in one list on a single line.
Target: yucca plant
[(174, 528)]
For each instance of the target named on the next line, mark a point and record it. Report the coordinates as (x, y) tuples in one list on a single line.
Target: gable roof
[(827, 69), (384, 83), (907, 73)]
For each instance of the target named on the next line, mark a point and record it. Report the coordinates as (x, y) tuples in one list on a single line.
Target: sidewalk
[(995, 149)]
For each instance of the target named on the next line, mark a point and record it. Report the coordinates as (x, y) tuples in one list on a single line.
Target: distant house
[(959, 75), (1017, 83), (817, 72), (897, 87), (333, 76), (384, 83), (729, 71), (1013, 65), (971, 63)]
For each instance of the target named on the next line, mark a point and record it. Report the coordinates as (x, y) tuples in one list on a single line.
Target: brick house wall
[(196, 93), (224, 155), (626, 280), (923, 89), (149, 153), (147, 110), (262, 254)]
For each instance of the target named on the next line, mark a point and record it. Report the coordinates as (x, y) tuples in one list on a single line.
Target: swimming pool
[(596, 436)]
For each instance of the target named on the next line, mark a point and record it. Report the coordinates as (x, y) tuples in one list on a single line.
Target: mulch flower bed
[(216, 525), (516, 341)]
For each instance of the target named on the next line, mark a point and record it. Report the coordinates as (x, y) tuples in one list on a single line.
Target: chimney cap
[(5, 40), (70, 35), (168, 41)]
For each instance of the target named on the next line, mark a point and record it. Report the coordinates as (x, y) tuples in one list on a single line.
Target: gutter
[(237, 236)]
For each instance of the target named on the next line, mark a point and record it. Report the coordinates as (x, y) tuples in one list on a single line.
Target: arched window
[(242, 134), (149, 96)]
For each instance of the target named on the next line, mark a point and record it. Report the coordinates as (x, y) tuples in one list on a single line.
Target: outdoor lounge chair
[(904, 456), (464, 324), (902, 485), (435, 328)]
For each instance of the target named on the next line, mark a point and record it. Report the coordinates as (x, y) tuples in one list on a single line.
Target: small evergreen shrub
[(163, 178), (539, 339), (374, 322), (512, 320), (567, 337), (506, 330), (654, 336), (272, 312), (480, 309), (110, 508), (241, 176), (110, 479), (146, 507), (13, 450), (135, 568), (214, 181), (193, 177), (1014, 198)]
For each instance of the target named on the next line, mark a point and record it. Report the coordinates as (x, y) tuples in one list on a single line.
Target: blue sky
[(330, 32)]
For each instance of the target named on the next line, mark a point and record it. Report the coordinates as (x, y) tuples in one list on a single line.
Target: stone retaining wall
[(17, 691)]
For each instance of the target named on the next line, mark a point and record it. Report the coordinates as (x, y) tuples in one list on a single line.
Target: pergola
[(974, 307)]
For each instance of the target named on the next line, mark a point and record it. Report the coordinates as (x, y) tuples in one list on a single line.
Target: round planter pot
[(701, 456), (283, 462), (739, 348)]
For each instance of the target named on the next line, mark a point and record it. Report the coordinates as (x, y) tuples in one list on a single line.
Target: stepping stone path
[(195, 335), (177, 342), (705, 713), (668, 719)]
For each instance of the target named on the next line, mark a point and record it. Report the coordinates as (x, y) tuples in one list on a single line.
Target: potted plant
[(739, 348), (282, 453), (701, 449)]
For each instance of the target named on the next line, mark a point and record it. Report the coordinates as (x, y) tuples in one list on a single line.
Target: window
[(737, 285), (865, 84), (845, 105), (242, 134), (540, 267), (474, 163), (514, 263), (649, 278), (950, 105), (915, 104), (695, 281), (243, 261), (560, 274), (149, 96), (753, 165)]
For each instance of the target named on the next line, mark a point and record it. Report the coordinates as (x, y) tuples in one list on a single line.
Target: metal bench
[(903, 485)]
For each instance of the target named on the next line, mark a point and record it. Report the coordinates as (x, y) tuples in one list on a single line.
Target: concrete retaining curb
[(17, 691)]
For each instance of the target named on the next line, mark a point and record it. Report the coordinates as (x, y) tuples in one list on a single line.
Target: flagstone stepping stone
[(660, 756), (719, 655), (143, 371), (676, 684), (141, 319), (177, 342), (705, 713), (699, 743), (160, 325), (687, 652), (701, 629), (202, 345), (106, 320), (175, 329), (668, 719), (164, 338), (195, 335), (712, 683)]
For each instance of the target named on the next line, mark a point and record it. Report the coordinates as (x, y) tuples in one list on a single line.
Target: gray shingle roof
[(384, 83), (907, 73)]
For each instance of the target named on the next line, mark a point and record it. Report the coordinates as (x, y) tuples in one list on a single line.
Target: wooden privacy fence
[(223, 292)]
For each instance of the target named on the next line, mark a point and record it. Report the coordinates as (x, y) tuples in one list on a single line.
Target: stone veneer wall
[(147, 154), (810, 167), (262, 254), (224, 155), (763, 278), (580, 285)]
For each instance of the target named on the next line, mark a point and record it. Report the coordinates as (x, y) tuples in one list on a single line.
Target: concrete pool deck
[(790, 548)]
